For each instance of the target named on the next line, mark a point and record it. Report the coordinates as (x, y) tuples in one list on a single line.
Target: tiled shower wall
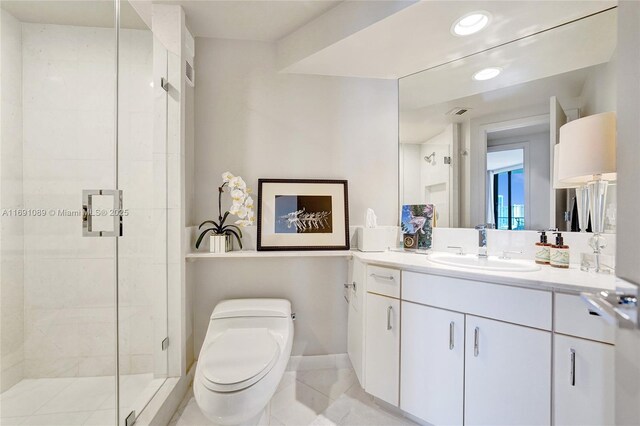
[(11, 234), (68, 107)]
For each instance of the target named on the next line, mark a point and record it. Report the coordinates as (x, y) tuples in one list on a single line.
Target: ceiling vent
[(457, 111)]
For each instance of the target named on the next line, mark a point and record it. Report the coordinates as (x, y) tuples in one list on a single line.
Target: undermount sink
[(491, 263)]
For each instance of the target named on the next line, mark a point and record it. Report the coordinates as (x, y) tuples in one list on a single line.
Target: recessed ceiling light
[(487, 73), (471, 23)]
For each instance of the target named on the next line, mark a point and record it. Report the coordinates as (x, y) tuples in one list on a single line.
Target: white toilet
[(243, 357)]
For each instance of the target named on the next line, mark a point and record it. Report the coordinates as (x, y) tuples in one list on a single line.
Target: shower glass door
[(142, 274), (83, 279), (58, 287)]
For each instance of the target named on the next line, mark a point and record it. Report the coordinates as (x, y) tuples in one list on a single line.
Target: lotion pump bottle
[(559, 253), (542, 249)]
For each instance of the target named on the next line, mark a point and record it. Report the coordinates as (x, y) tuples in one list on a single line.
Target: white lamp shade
[(556, 165), (588, 148)]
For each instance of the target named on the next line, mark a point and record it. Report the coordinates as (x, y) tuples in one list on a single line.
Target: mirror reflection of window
[(506, 183)]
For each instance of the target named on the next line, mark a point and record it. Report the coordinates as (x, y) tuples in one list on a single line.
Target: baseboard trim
[(164, 404)]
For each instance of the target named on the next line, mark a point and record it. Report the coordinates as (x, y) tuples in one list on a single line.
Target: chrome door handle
[(382, 277), (115, 212), (476, 341), (389, 309), (572, 375), (451, 337)]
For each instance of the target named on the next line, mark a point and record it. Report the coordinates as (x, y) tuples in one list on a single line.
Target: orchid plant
[(242, 207)]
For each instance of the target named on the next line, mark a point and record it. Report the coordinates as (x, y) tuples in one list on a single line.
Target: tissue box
[(373, 239)]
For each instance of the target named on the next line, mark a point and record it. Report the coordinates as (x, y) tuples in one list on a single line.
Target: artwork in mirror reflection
[(482, 151), (417, 221)]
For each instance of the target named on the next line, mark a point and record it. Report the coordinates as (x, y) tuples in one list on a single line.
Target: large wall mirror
[(477, 134)]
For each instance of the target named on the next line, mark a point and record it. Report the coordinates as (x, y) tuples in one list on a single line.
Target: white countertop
[(547, 278)]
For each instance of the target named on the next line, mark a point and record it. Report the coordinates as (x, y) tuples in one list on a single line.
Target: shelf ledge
[(267, 254)]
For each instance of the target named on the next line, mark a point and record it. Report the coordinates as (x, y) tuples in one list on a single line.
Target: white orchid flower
[(244, 223), (242, 212), (227, 176), (250, 214), (237, 182), (235, 208), (238, 195), (248, 202)]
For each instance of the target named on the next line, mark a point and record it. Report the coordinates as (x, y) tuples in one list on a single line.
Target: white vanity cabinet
[(456, 351), (382, 333), (382, 347), (507, 374), (432, 361), (583, 360), (584, 388)]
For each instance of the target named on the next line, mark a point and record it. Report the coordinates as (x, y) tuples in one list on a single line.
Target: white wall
[(255, 122), (11, 227), (539, 176), (599, 91)]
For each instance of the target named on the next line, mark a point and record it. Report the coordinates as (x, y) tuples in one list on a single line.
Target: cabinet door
[(583, 382), (507, 374), (355, 321), (382, 347), (432, 364)]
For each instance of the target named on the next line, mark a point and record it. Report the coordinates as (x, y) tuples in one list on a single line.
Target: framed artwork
[(417, 221), (303, 214)]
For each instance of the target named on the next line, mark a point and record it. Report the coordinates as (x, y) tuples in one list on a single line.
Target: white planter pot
[(218, 243)]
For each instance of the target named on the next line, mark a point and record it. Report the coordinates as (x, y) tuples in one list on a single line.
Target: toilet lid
[(238, 358)]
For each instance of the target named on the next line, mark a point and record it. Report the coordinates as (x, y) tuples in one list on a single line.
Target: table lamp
[(587, 157)]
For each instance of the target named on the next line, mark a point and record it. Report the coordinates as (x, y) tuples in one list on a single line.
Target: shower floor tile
[(74, 401)]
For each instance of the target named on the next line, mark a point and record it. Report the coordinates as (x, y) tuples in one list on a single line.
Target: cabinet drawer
[(384, 281), (573, 318), (512, 304)]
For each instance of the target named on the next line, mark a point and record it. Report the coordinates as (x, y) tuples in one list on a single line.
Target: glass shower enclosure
[(83, 209)]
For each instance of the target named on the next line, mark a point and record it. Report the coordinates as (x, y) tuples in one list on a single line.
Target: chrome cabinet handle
[(451, 331), (382, 277), (350, 285), (389, 309), (476, 341), (572, 376)]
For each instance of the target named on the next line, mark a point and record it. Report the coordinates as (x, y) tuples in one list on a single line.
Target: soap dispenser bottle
[(542, 249), (559, 253)]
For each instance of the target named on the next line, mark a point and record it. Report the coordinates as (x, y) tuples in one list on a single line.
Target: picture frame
[(303, 214)]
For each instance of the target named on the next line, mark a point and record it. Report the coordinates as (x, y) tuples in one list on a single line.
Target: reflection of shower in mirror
[(431, 159)]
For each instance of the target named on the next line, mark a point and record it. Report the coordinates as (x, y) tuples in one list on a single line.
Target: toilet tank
[(234, 308)]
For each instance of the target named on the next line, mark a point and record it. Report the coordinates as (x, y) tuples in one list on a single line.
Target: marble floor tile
[(86, 394), (325, 397), (101, 418), (330, 382), (24, 400)]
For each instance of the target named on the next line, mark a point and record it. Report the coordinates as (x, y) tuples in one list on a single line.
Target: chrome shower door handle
[(389, 309), (90, 213)]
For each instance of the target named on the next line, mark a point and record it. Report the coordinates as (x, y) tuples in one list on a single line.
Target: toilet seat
[(238, 358)]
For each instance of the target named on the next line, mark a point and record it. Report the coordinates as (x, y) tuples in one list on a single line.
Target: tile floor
[(74, 400), (321, 397)]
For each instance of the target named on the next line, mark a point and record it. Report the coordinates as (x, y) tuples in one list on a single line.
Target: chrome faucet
[(482, 239)]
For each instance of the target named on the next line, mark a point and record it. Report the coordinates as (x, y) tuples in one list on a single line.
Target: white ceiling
[(502, 159), (262, 20), (418, 37), (580, 44), (419, 125), (83, 13)]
